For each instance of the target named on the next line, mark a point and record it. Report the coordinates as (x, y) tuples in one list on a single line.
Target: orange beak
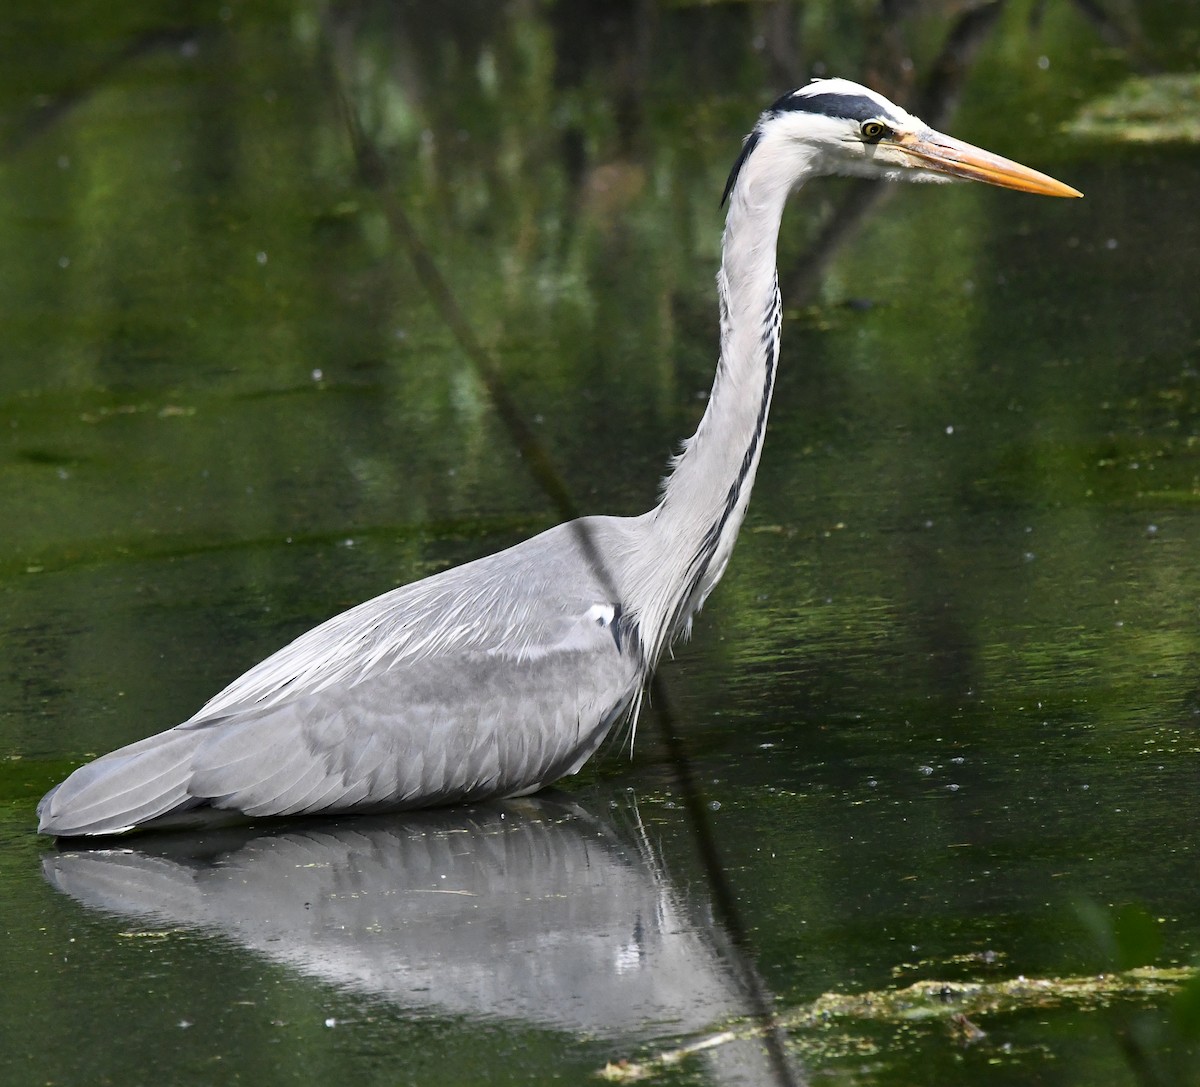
[(943, 154)]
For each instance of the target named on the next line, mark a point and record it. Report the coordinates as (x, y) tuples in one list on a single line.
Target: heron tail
[(123, 789)]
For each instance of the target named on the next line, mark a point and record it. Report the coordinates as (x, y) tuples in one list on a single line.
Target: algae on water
[(1144, 109)]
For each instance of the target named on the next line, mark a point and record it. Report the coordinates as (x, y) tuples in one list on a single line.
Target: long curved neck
[(704, 499)]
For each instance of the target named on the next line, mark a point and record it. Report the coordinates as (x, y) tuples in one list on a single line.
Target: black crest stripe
[(851, 107)]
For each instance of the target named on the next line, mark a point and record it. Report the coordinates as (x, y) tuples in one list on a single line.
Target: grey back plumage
[(491, 679)]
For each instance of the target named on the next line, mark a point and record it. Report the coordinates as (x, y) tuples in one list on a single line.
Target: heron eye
[(873, 130)]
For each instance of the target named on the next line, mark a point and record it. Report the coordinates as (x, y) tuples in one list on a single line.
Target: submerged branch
[(954, 1002)]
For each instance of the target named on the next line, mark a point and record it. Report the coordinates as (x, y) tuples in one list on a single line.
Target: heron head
[(834, 126)]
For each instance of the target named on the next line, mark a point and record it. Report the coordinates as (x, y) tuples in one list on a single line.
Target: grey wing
[(492, 679), (452, 728)]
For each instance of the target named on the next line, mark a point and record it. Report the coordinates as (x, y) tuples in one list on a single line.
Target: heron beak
[(938, 153)]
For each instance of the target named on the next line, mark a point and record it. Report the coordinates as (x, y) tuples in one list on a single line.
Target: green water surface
[(940, 721)]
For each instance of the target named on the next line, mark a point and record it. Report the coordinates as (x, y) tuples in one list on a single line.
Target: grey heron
[(498, 677)]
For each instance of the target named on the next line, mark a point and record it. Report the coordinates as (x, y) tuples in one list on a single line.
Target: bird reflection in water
[(537, 911)]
